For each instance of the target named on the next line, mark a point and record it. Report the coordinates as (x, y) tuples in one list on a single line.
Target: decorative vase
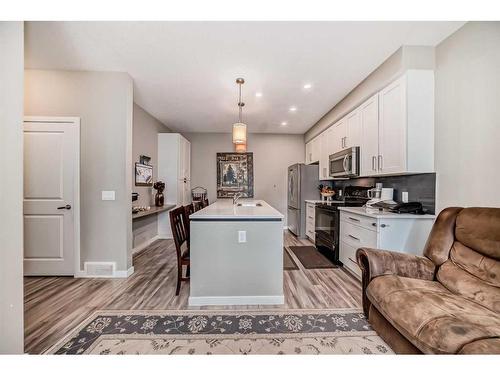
[(159, 199)]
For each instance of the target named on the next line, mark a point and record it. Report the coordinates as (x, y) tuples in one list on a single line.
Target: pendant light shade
[(239, 133), (241, 147), (239, 128)]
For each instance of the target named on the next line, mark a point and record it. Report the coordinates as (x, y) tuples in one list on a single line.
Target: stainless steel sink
[(250, 204)]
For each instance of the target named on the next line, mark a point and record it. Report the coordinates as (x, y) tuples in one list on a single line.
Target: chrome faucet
[(236, 197)]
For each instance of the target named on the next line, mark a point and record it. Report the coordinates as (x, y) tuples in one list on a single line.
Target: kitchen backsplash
[(420, 187)]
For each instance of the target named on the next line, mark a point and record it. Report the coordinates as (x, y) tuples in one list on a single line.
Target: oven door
[(327, 232)]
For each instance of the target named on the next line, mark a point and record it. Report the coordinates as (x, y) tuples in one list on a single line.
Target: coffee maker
[(380, 194)]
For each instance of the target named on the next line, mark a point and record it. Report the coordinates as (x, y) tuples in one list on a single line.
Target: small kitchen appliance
[(380, 194)]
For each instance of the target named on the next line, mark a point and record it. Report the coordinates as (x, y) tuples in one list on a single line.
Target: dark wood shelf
[(153, 211)]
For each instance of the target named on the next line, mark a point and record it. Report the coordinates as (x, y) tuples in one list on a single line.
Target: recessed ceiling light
[(307, 86), (293, 109), (284, 123), (258, 94)]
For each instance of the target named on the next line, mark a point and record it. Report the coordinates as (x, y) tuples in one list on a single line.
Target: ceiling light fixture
[(239, 128), (284, 123), (307, 86), (258, 94), (293, 109)]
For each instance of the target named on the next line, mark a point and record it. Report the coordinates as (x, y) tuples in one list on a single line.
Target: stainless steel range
[(328, 220)]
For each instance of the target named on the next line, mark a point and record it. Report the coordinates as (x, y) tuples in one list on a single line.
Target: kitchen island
[(236, 254)]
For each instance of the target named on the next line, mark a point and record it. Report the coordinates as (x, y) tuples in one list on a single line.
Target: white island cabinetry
[(236, 254)]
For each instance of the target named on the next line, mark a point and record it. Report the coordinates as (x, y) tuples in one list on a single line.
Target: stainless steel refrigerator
[(303, 181)]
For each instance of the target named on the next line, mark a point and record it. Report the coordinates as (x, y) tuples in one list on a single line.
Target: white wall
[(467, 140), (273, 153), (145, 142), (11, 187), (406, 57), (104, 102)]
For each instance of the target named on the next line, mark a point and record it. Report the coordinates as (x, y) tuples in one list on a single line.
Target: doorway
[(51, 198)]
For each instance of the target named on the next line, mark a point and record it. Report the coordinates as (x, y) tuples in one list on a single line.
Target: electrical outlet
[(242, 236), (404, 196)]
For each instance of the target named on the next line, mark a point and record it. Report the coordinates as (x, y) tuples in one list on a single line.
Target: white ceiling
[(184, 72)]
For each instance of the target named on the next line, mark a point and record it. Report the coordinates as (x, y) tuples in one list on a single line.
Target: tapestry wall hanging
[(234, 174)]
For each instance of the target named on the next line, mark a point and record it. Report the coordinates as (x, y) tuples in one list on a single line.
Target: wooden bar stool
[(179, 221)]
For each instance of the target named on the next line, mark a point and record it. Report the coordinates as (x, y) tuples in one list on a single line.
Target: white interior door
[(51, 197)]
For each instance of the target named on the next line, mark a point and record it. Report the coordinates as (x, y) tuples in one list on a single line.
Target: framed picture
[(143, 175), (234, 174)]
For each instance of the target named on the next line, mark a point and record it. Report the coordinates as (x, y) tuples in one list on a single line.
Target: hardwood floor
[(55, 305)]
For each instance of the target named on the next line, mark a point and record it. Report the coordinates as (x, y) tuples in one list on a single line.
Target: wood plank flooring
[(55, 305)]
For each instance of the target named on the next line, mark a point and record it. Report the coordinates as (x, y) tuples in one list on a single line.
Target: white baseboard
[(164, 237), (236, 300), (112, 274), (143, 245)]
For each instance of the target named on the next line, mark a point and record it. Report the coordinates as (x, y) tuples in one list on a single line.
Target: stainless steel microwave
[(344, 163)]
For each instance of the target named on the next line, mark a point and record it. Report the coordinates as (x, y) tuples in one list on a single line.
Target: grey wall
[(468, 117), (145, 142), (407, 57), (104, 103), (273, 153), (11, 187)]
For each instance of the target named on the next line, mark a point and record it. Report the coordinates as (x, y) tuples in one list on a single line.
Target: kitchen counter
[(383, 214), (154, 210), (224, 209), (236, 254), (314, 201)]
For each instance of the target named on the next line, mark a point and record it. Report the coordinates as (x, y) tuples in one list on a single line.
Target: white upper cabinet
[(368, 113), (353, 127), (313, 150), (394, 130), (323, 160)]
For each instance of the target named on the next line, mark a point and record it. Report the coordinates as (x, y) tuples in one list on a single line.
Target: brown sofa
[(447, 301)]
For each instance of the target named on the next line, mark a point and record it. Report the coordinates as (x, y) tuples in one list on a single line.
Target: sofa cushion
[(430, 316), (479, 229), (461, 282)]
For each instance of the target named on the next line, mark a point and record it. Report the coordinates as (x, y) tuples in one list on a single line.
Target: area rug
[(338, 331), (311, 258), (288, 263)]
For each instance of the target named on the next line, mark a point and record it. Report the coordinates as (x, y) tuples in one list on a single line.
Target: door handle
[(380, 160), (344, 164), (374, 159), (67, 207)]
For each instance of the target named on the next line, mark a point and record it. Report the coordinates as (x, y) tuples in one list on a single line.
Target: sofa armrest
[(374, 263)]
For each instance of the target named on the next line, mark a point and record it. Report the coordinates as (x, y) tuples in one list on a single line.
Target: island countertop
[(224, 209)]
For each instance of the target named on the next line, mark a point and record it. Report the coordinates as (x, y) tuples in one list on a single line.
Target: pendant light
[(239, 128)]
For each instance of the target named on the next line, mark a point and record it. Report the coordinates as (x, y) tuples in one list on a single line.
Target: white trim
[(76, 188), (116, 274), (236, 300), (143, 245), (164, 237)]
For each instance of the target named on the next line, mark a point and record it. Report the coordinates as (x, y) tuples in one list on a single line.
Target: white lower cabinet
[(310, 221), (401, 233)]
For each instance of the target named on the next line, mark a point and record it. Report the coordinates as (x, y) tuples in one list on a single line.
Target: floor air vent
[(99, 269)]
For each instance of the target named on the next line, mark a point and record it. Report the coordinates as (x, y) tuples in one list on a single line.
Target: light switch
[(404, 196), (108, 195), (242, 236)]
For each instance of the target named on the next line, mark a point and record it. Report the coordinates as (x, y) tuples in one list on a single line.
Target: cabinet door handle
[(380, 162), (356, 238), (310, 156), (345, 141), (374, 160), (383, 225), (353, 219), (374, 224), (310, 217)]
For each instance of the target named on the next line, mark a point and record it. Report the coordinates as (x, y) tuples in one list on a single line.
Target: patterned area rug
[(338, 331)]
